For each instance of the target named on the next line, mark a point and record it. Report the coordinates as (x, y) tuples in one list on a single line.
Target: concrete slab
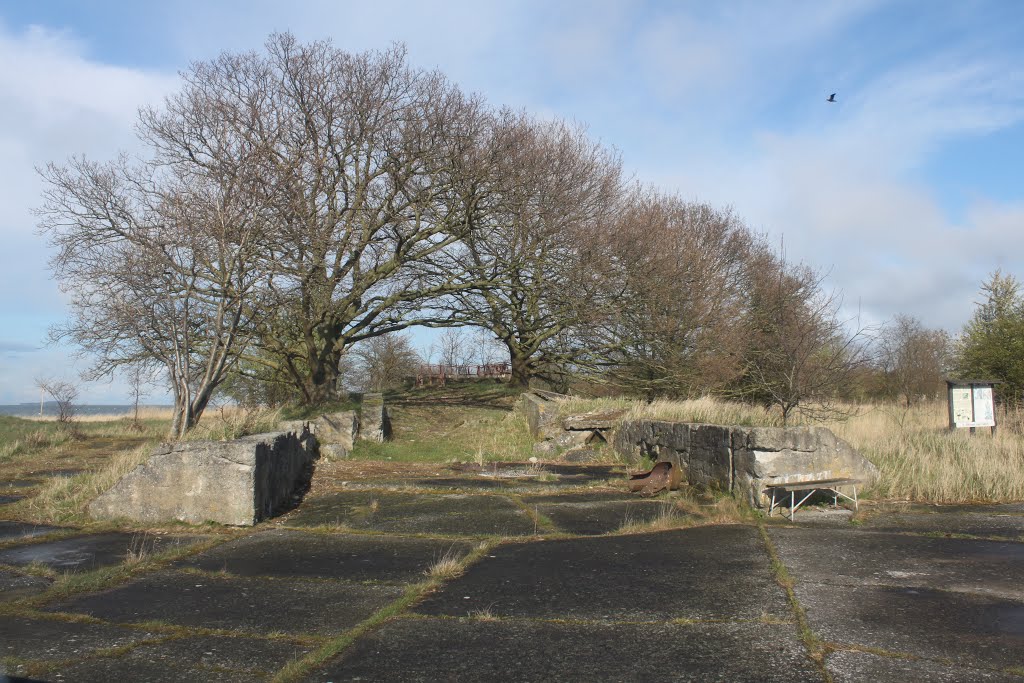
[(939, 520), (933, 509), (206, 658), (816, 516), (856, 667), (15, 585), (560, 476), (441, 514), (856, 558), (249, 605), (448, 650), (972, 630), (7, 500), (461, 484), (10, 531), (85, 553), (335, 556), (580, 497), (719, 572), (52, 639), (591, 519), (133, 668)]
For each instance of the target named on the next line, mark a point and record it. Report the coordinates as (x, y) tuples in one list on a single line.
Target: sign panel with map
[(971, 404), (963, 405), (984, 411)]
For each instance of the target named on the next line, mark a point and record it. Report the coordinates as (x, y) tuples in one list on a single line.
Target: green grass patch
[(19, 437), (447, 432)]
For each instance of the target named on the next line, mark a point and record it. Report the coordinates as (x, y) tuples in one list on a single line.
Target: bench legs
[(794, 505)]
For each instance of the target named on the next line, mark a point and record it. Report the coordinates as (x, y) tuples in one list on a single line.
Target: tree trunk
[(522, 369), (320, 383)]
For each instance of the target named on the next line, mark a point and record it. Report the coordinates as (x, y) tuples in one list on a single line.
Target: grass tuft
[(450, 566)]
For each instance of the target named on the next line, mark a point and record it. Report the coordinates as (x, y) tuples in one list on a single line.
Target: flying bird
[(831, 98)]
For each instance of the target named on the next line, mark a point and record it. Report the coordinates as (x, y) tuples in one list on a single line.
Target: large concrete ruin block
[(766, 456), (745, 460), (542, 416), (375, 423), (654, 439), (709, 461), (235, 482), (336, 433), (594, 421)]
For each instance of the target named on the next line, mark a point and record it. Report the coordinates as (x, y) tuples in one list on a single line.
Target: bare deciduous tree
[(800, 351), (385, 362), (454, 347), (676, 277), (65, 395), (362, 165), (547, 187), (913, 359), (158, 261)]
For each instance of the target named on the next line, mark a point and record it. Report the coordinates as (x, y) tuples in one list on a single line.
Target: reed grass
[(921, 460), (231, 422)]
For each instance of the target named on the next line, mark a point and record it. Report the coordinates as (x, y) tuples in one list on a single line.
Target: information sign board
[(971, 404)]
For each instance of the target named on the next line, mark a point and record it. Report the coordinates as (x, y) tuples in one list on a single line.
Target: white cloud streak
[(57, 103)]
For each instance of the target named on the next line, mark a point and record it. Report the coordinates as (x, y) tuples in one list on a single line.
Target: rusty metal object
[(663, 476)]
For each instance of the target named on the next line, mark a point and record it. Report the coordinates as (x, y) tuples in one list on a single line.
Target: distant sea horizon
[(50, 409)]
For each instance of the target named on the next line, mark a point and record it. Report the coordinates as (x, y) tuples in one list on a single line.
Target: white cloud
[(57, 103)]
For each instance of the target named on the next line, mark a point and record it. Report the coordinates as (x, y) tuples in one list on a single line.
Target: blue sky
[(908, 191)]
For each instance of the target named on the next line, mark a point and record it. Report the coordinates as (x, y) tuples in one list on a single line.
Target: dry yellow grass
[(145, 413), (704, 410), (921, 460), (230, 422), (64, 499)]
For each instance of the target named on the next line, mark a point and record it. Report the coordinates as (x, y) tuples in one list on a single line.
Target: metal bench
[(830, 485)]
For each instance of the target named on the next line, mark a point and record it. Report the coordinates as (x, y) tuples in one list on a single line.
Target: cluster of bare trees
[(303, 200)]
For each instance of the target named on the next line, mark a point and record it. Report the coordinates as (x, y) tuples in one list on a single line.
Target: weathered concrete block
[(235, 482), (541, 415), (334, 451), (709, 461), (782, 438), (375, 423), (594, 421), (572, 439), (745, 460), (545, 448), (795, 454), (338, 429)]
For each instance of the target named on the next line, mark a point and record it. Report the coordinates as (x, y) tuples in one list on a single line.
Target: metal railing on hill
[(441, 373)]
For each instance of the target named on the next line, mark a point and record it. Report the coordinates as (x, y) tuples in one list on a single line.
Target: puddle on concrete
[(15, 530), (84, 553), (1009, 619)]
